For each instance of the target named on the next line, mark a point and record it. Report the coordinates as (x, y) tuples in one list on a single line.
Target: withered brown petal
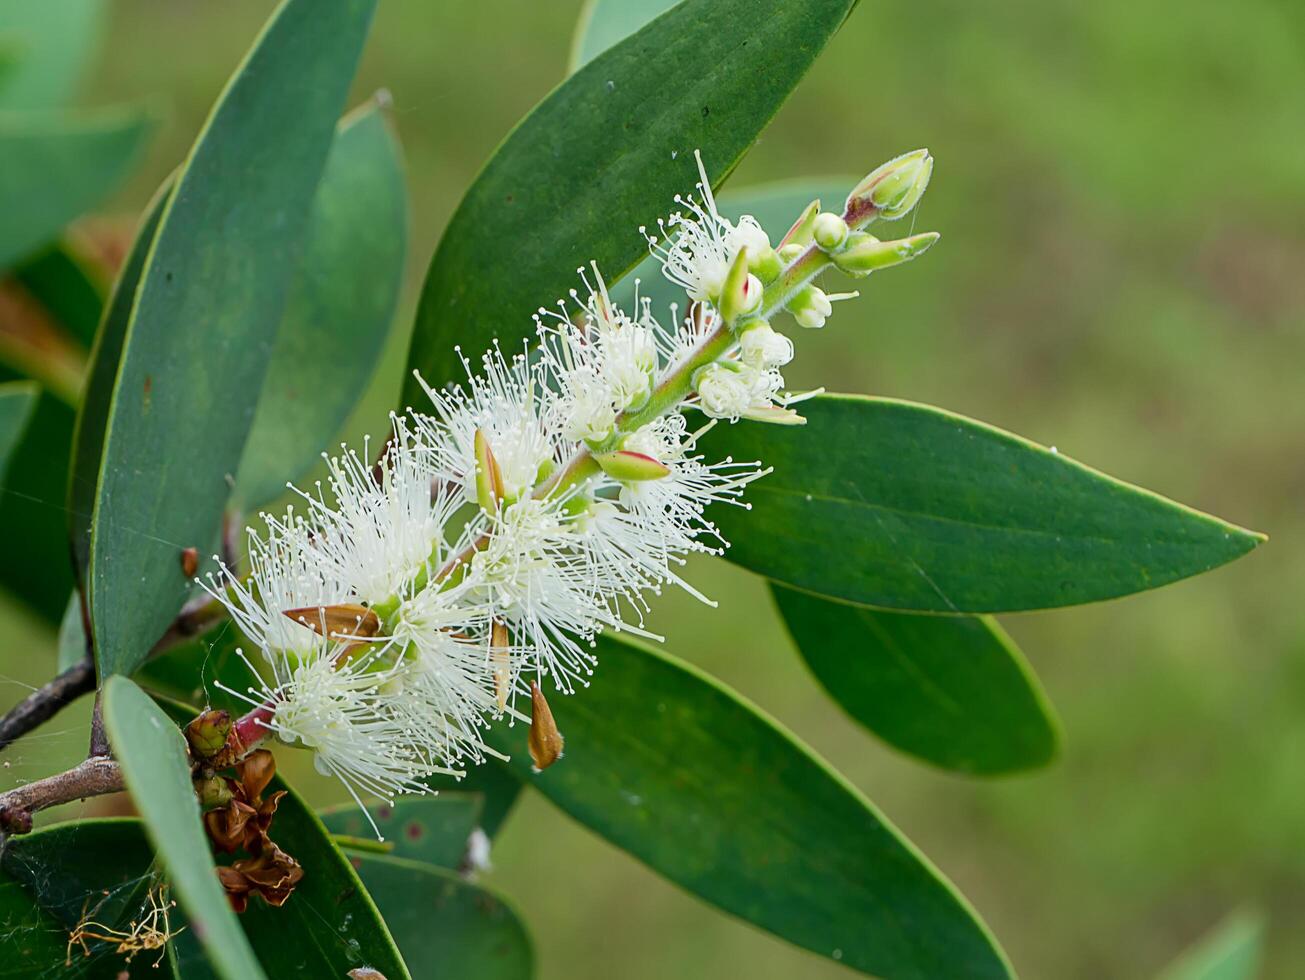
[(545, 741), (255, 772), (344, 619)]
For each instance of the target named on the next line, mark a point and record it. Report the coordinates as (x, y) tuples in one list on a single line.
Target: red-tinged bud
[(631, 467), (801, 232), (213, 792), (742, 291), (890, 191), (872, 255)]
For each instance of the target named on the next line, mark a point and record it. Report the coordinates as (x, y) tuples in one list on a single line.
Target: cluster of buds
[(404, 606)]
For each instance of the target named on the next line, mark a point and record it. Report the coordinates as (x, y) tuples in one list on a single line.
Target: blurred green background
[(1121, 192)]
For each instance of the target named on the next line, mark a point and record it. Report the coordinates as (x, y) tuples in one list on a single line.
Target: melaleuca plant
[(462, 608)]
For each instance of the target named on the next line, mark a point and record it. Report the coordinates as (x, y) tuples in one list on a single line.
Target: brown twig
[(94, 777), (43, 703)]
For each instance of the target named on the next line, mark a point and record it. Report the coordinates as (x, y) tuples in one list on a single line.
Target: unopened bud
[(213, 792), (763, 348), (741, 293), (489, 478), (790, 252), (810, 307), (207, 734), (545, 741), (766, 264), (631, 467), (830, 231), (870, 256), (891, 191), (346, 619), (800, 233)]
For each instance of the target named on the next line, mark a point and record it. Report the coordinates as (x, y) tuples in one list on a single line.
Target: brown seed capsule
[(545, 741), (498, 652), (346, 619), (189, 562)]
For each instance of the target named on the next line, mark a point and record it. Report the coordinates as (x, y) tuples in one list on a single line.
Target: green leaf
[(605, 22), (953, 690), (1231, 951), (492, 781), (63, 281), (333, 922), (152, 753), (603, 154), (445, 926), (200, 334), (35, 942), (96, 868), (340, 310), (904, 506), (72, 634), (52, 41), (17, 402), (58, 167), (34, 563), (93, 412), (432, 829), (710, 792)]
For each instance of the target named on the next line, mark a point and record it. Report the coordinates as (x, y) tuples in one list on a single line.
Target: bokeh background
[(1121, 191)]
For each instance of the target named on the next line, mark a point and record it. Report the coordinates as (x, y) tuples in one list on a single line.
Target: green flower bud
[(632, 467), (830, 231), (810, 307), (489, 478), (741, 293), (870, 256), (213, 792), (800, 233), (891, 191), (766, 265), (207, 734), (790, 252)]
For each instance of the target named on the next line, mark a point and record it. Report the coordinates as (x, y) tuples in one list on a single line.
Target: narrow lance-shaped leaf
[(899, 505), (202, 327), (1231, 951), (51, 42), (152, 754), (57, 167), (709, 792), (604, 23), (952, 690), (605, 153), (17, 401), (445, 926), (431, 829), (340, 309)]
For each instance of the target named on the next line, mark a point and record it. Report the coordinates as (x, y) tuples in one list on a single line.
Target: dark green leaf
[(17, 402), (152, 753), (445, 926), (100, 869), (72, 635), (52, 41), (34, 563), (35, 943), (953, 690), (491, 781), (432, 829), (708, 791), (340, 309), (905, 506), (1231, 951), (605, 22), (605, 153), (63, 282), (202, 327), (58, 167), (88, 433), (332, 924)]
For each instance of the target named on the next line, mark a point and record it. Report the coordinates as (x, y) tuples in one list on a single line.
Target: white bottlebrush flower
[(285, 573), (697, 248), (340, 706), (381, 525), (511, 406)]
